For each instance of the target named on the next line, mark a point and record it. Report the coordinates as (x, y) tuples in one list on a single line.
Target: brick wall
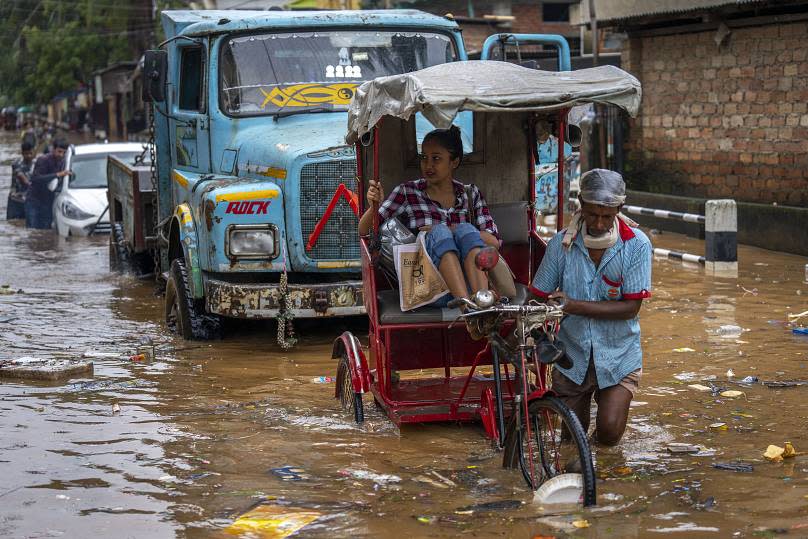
[(729, 121)]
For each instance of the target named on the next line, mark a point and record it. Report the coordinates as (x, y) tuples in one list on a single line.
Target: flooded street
[(206, 431)]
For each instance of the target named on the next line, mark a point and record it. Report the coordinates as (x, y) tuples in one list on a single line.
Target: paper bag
[(419, 282)]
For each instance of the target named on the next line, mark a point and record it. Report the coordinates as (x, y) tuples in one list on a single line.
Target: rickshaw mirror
[(573, 135), (367, 138)]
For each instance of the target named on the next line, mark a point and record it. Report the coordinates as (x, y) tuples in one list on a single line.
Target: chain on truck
[(248, 207)]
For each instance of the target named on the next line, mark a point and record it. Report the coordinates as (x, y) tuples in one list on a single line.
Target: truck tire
[(119, 259), (183, 314)]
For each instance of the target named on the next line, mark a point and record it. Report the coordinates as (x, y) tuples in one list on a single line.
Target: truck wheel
[(119, 259), (185, 315)]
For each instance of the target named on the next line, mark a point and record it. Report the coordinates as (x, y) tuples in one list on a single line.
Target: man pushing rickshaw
[(472, 217)]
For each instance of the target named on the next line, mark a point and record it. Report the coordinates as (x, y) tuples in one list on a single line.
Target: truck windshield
[(270, 73)]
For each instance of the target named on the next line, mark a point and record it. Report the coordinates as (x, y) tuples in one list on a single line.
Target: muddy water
[(202, 427)]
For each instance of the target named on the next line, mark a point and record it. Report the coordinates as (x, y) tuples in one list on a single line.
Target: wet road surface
[(202, 427)]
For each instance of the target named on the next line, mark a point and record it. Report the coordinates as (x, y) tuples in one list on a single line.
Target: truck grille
[(339, 240)]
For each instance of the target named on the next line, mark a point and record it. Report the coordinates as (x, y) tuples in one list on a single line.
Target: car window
[(90, 171)]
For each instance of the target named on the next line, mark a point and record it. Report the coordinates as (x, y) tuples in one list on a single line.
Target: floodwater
[(202, 427)]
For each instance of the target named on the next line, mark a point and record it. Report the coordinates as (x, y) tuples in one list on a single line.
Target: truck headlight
[(252, 241), (72, 211)]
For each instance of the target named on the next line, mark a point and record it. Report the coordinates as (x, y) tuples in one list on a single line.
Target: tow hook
[(320, 301)]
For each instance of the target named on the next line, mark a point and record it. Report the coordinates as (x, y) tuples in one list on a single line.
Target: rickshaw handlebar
[(542, 310)]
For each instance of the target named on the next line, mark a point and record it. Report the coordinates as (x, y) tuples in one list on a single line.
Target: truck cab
[(257, 198)]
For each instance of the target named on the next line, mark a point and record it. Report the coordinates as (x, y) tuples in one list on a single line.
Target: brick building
[(725, 93), (481, 18)]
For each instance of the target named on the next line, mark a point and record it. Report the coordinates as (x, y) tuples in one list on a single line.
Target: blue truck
[(255, 188)]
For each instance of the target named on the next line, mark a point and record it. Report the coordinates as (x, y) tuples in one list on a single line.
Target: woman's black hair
[(449, 139), (27, 146)]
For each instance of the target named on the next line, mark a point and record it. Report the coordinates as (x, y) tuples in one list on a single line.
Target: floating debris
[(493, 506), (699, 387), (43, 369), (290, 473), (734, 467), (378, 478), (777, 454), (272, 521), (678, 447)]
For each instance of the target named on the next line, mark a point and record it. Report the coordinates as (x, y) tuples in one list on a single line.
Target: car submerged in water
[(80, 207)]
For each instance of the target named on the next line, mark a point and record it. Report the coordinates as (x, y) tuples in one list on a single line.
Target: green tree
[(57, 44)]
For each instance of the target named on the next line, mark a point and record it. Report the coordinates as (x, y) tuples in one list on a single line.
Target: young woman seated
[(437, 204)]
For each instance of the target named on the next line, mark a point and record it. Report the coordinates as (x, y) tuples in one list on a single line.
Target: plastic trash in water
[(734, 467), (290, 473), (322, 380), (699, 387), (499, 505), (381, 479), (99, 355), (777, 454), (272, 521), (730, 331), (800, 331), (679, 447)]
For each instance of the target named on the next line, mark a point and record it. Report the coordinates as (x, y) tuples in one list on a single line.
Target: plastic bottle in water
[(730, 331)]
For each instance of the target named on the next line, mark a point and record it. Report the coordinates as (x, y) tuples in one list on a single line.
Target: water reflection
[(203, 426)]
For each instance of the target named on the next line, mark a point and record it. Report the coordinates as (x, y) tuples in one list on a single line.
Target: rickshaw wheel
[(350, 400), (559, 444)]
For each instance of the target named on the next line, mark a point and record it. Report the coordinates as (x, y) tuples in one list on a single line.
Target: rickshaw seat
[(512, 222), (391, 313)]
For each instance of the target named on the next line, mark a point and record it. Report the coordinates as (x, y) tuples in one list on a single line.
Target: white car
[(80, 206)]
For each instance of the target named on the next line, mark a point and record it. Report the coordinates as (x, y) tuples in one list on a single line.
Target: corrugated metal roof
[(614, 10)]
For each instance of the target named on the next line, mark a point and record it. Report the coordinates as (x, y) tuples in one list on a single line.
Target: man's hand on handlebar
[(558, 298)]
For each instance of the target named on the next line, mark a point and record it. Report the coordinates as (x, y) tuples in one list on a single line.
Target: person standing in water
[(39, 201), (599, 270), (20, 180)]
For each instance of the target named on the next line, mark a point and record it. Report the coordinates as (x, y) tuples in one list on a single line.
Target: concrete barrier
[(721, 236), (779, 228)]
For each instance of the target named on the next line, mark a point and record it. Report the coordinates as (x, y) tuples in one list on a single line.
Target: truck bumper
[(235, 300)]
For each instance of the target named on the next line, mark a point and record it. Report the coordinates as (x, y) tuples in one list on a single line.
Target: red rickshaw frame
[(424, 403)]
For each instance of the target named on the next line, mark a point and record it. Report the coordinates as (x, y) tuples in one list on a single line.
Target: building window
[(555, 12)]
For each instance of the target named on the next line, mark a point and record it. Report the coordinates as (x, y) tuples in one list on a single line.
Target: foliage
[(56, 45)]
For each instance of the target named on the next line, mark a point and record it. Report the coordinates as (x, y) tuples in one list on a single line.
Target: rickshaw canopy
[(441, 91)]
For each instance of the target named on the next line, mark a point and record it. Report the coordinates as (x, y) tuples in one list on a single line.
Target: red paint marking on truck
[(243, 207)]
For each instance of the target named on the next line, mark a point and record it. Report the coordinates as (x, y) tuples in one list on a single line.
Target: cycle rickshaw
[(510, 106)]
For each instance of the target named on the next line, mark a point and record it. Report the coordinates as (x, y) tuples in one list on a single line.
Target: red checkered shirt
[(413, 207)]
